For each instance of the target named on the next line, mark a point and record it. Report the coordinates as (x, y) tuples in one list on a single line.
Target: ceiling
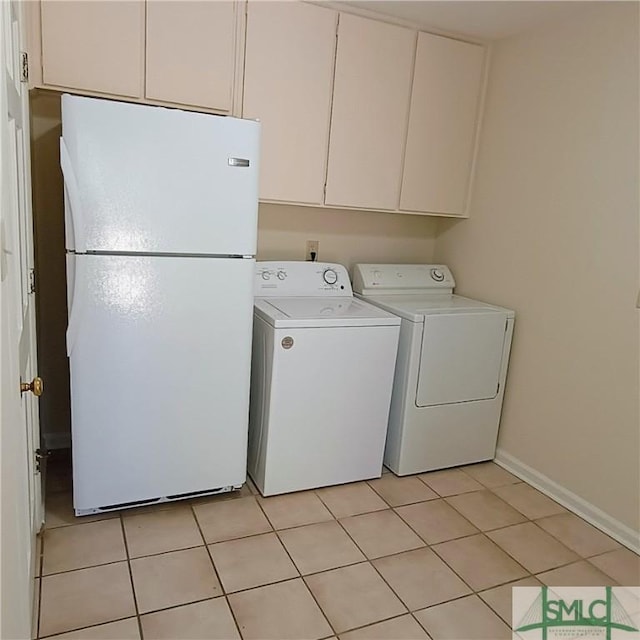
[(480, 19)]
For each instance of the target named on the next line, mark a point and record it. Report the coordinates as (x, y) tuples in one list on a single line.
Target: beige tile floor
[(428, 556)]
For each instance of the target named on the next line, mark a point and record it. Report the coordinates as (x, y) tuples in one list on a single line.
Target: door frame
[(22, 507)]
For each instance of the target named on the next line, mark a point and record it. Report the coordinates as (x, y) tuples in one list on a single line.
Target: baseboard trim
[(619, 531), (56, 440)]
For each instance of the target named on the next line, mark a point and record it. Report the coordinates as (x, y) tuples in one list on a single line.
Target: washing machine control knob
[(330, 276), (437, 275), (266, 275), (281, 275)]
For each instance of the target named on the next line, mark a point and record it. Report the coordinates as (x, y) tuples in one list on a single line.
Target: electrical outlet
[(312, 250)]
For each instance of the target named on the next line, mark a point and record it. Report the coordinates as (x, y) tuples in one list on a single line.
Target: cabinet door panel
[(287, 86), (95, 45), (370, 109), (442, 125), (191, 52)]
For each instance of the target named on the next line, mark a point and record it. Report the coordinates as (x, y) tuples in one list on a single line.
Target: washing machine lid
[(322, 312), (415, 307)]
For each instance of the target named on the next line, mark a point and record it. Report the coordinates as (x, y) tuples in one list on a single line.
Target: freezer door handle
[(76, 217)]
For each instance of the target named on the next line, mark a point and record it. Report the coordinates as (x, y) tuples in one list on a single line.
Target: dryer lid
[(322, 312), (415, 307)]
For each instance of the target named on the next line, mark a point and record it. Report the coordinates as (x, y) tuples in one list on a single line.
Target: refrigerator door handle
[(76, 301), (76, 216)]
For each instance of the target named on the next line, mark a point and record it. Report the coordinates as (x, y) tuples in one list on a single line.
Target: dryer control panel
[(380, 279), (301, 279)]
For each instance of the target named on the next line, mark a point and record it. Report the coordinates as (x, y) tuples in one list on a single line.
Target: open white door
[(21, 497)]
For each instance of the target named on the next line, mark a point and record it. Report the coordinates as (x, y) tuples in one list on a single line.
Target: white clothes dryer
[(450, 371), (321, 379)]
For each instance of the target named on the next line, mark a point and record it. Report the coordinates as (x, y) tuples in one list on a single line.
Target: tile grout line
[(484, 532), (40, 576), (307, 587), (428, 546), (91, 626), (473, 591), (500, 584), (277, 531), (79, 569), (389, 507), (345, 485), (176, 606), (447, 500), (129, 567), (406, 504), (106, 564), (225, 595), (534, 522), (580, 555), (304, 582), (408, 610), (367, 559)]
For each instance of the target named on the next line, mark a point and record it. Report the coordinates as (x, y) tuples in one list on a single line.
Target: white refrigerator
[(161, 225)]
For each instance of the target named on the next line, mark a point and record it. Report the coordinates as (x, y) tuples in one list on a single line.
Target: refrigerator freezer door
[(155, 180), (159, 358)]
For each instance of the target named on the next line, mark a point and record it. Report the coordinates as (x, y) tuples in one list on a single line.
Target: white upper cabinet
[(288, 83), (356, 112), (191, 48), (95, 45), (374, 67), (442, 125)]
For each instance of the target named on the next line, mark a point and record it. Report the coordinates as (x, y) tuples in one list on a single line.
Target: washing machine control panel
[(372, 279), (282, 279)]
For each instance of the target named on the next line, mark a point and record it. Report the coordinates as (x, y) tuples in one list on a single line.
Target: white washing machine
[(321, 379), (450, 371)]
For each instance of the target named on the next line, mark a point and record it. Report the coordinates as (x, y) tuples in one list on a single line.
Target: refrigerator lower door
[(160, 352)]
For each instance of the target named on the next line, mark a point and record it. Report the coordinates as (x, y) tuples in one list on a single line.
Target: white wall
[(347, 237), (554, 234)]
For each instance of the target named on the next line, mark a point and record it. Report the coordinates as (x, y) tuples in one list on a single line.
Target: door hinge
[(41, 459), (24, 66), (32, 280)]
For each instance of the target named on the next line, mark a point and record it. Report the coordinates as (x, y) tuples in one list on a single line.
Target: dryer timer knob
[(437, 275), (330, 276)]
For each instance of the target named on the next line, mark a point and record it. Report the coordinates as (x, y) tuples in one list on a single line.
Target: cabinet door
[(95, 45), (442, 125), (287, 85), (191, 52), (374, 65)]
